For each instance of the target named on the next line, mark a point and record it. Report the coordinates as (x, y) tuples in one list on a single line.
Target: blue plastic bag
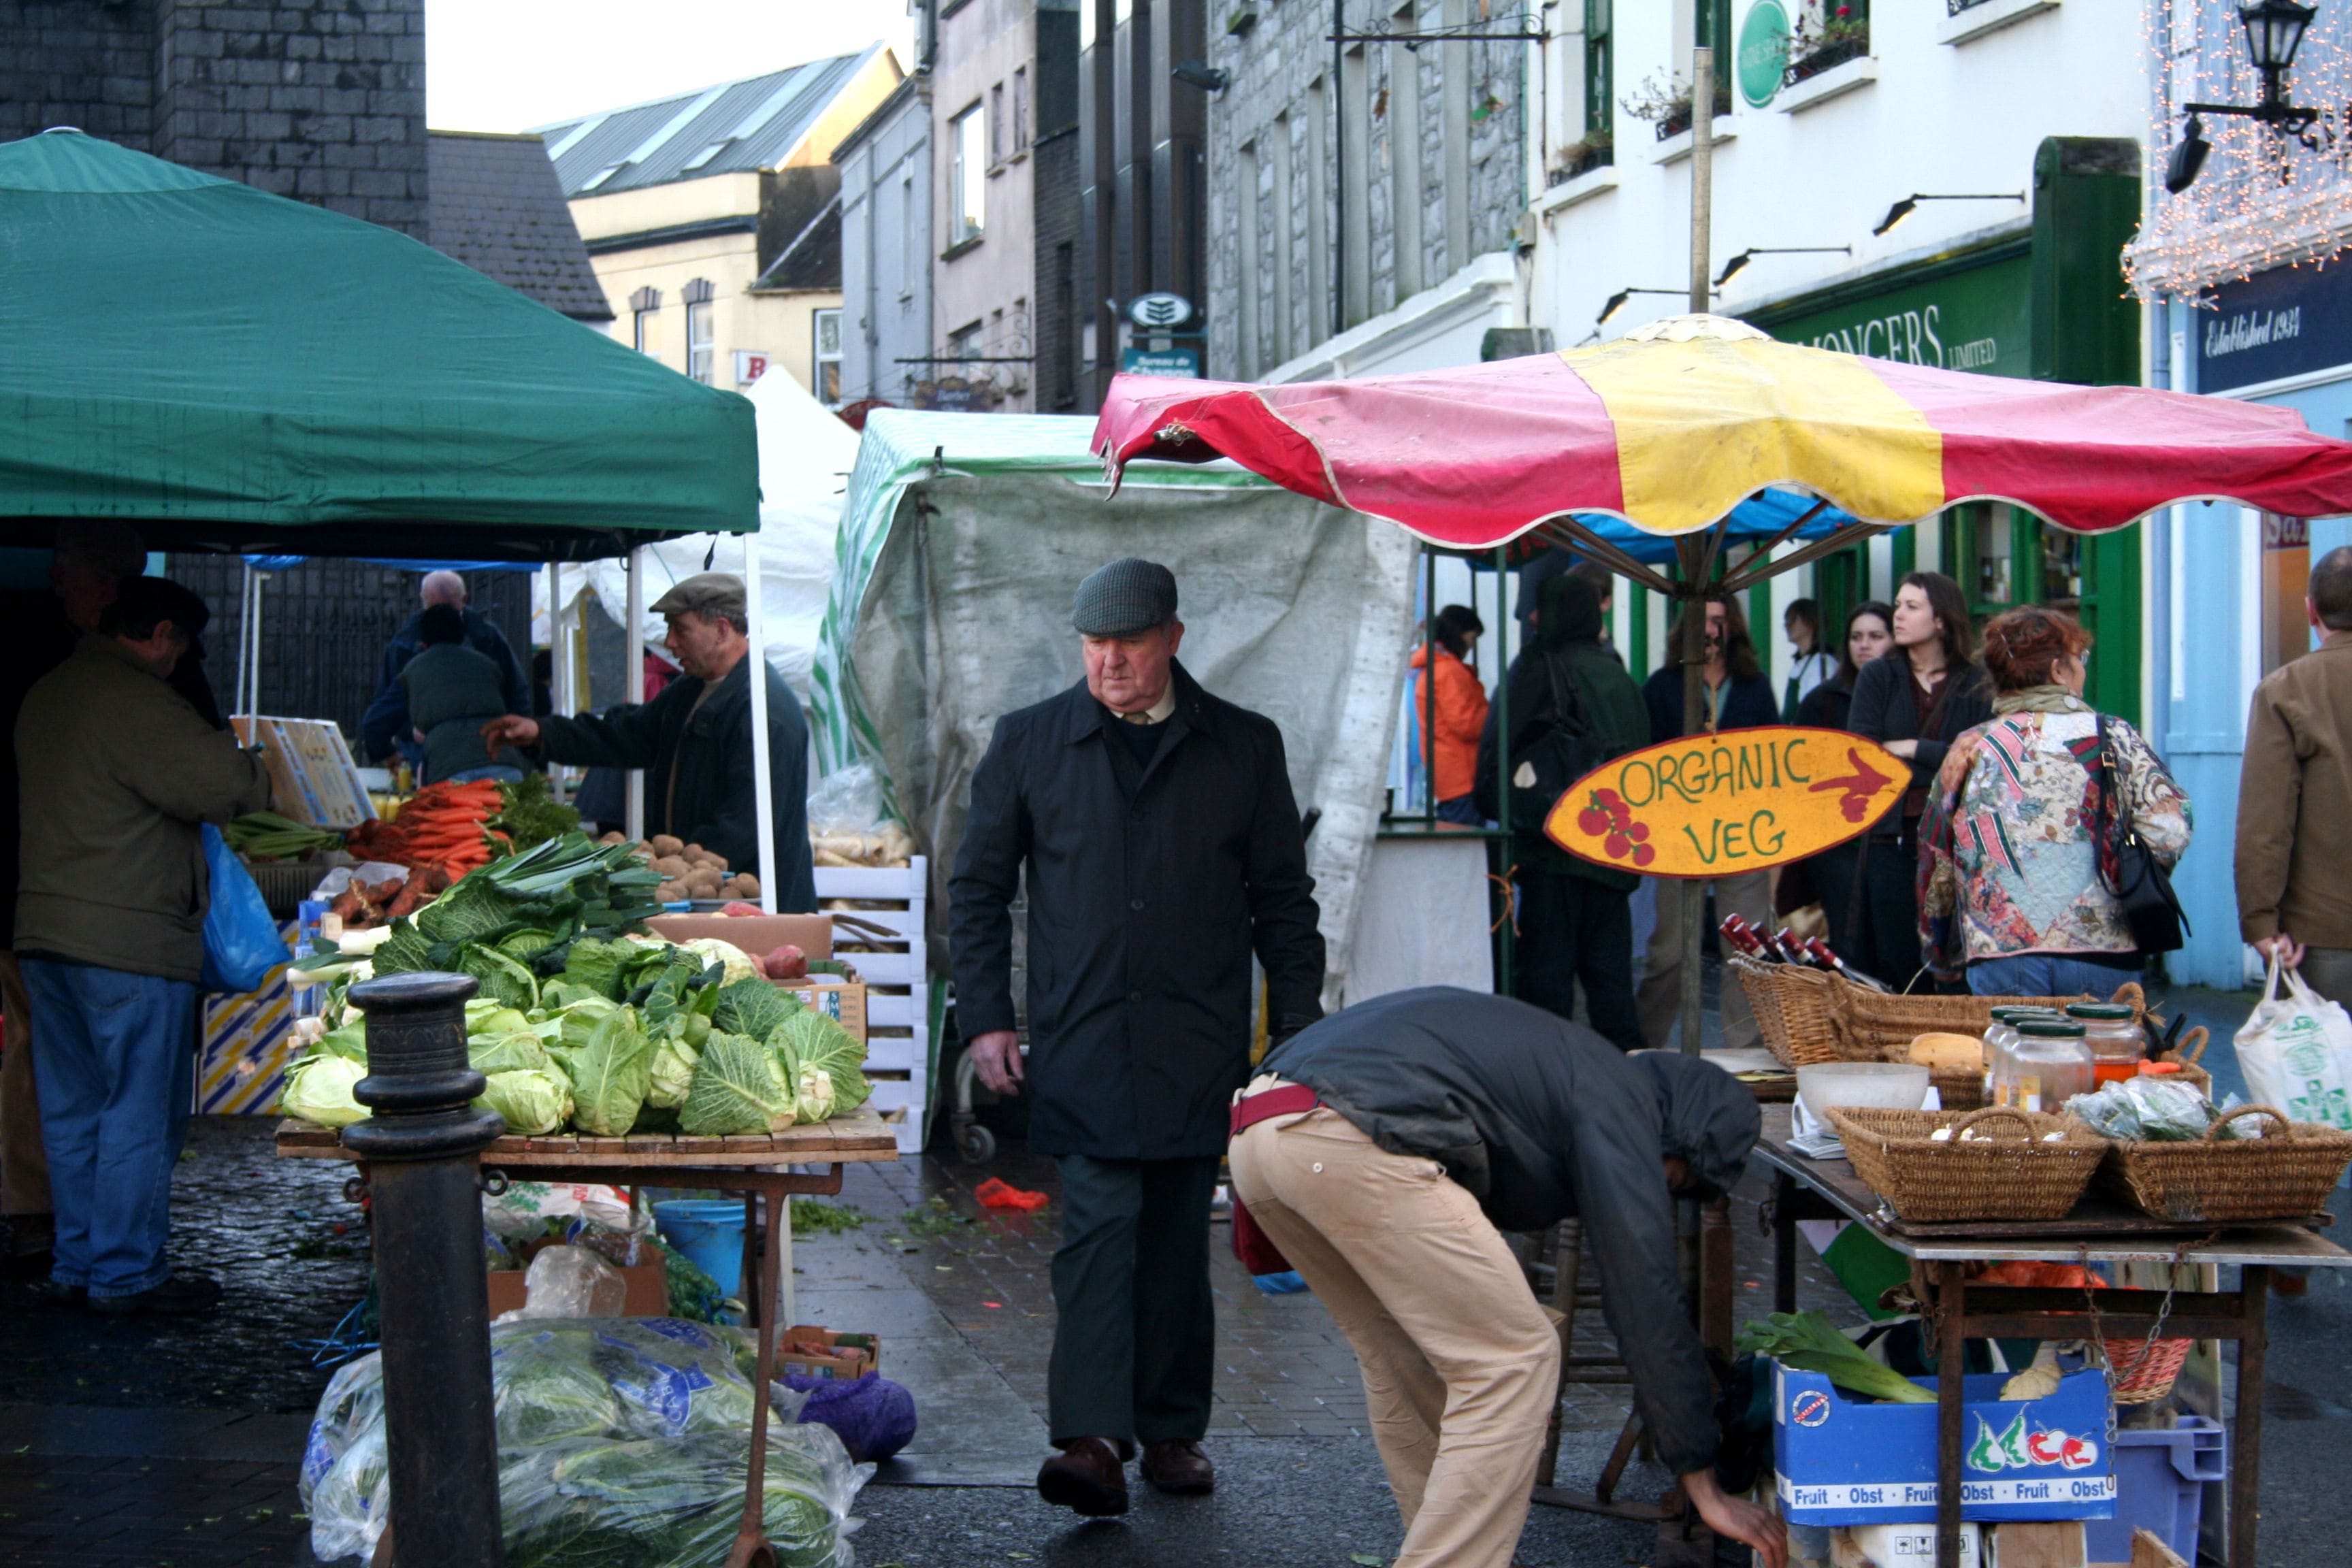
[(242, 944)]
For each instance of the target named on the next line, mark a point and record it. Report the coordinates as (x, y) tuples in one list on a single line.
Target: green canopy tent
[(232, 370)]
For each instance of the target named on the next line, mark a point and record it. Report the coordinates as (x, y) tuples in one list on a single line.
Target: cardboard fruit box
[(1841, 1460), (844, 1356)]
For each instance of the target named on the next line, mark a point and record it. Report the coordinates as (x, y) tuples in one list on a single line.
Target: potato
[(672, 865), (691, 850), (1948, 1051), (704, 882), (671, 894), (615, 836), (667, 843), (746, 886), (712, 858)]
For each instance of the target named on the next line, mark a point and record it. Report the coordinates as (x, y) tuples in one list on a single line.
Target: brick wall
[(319, 100)]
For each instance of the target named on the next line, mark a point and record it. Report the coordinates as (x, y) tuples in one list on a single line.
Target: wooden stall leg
[(751, 1549), (2246, 1442), (1784, 1242), (1951, 1362)]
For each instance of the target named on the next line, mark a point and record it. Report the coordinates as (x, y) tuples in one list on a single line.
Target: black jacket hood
[(1570, 612), (1707, 1118)]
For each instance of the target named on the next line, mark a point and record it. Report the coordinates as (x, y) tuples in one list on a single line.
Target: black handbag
[(1563, 751), (2142, 884)]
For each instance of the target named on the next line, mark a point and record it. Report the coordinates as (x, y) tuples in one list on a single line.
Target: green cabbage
[(488, 1015), (349, 1042), (503, 978), (580, 1020), (517, 1051), (610, 1074), (736, 1089), (597, 965), (812, 1094), (532, 1101), (318, 1088), (736, 963), (673, 1073), (809, 1039), (754, 1007)]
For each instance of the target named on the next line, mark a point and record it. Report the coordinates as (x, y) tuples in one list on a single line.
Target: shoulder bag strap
[(2113, 824)]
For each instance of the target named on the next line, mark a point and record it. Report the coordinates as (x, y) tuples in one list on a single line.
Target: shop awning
[(228, 370)]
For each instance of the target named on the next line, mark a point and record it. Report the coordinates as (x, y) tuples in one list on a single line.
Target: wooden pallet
[(860, 1135)]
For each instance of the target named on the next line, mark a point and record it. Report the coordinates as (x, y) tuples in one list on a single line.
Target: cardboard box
[(849, 1356), (649, 1290), (1898, 1546), (1843, 1461), (756, 934), (843, 1001), (2020, 1545), (312, 778)]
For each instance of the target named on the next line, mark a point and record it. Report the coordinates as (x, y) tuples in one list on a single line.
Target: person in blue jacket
[(1738, 697)]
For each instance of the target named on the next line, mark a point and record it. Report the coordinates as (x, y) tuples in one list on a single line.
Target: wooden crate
[(901, 1045)]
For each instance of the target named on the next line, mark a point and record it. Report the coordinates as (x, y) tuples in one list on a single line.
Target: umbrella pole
[(555, 666), (633, 818), (764, 790), (1697, 561), (1507, 977)]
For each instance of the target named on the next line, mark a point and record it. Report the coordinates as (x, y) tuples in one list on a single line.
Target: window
[(825, 364), (699, 351), (996, 125), (1599, 70), (1021, 110), (643, 305), (964, 344), (908, 231), (967, 175)]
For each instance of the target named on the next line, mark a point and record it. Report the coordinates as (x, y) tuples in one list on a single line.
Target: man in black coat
[(1386, 1149), (1162, 847), (694, 741)]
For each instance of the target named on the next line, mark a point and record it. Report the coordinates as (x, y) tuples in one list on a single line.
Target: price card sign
[(1715, 805)]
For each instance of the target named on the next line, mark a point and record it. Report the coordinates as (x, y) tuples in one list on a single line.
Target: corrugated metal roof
[(754, 123)]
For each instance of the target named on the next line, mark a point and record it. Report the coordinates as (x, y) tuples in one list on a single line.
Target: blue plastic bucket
[(710, 1232)]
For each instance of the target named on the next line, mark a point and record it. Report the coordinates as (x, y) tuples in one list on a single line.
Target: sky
[(509, 65)]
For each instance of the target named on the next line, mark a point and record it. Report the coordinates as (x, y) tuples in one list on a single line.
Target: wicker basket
[(2286, 1174), (1796, 1009), (2026, 1175), (1880, 1026), (2142, 1370)]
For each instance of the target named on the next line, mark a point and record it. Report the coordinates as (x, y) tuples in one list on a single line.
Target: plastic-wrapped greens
[(621, 1441), (2149, 1109)]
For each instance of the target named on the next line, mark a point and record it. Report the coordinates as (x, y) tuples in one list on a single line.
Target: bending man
[(1386, 1148)]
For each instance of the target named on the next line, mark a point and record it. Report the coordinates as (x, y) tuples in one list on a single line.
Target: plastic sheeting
[(963, 540)]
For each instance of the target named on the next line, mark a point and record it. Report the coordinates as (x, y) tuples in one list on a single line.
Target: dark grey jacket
[(1542, 1120), (697, 762), (1143, 918), (1883, 711)]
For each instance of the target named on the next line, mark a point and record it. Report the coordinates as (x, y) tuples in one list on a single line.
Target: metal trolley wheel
[(976, 1144)]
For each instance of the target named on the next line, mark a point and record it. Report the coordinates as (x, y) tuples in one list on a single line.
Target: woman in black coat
[(1827, 879), (1915, 701)]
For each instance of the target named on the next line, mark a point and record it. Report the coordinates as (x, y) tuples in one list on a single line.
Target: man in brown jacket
[(2295, 798)]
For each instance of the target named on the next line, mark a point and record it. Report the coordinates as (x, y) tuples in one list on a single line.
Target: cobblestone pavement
[(84, 1512)]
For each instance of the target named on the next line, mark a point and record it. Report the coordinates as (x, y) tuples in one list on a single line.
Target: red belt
[(1284, 1099)]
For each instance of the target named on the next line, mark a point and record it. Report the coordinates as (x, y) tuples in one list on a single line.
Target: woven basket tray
[(1796, 1009), (2007, 1172), (2286, 1174), (1880, 1027)]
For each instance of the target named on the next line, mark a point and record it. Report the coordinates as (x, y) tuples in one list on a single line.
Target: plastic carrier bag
[(242, 943), (2296, 1053), (620, 1441)]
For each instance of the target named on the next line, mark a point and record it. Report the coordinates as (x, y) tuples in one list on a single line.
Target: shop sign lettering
[(1713, 806)]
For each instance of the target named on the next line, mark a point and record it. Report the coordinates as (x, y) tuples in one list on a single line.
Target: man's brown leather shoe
[(1087, 1477), (1179, 1467)]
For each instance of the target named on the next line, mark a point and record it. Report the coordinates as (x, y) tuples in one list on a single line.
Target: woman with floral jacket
[(2014, 868)]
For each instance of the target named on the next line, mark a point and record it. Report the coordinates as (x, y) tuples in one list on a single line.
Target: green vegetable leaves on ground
[(1808, 1342), (736, 1091)]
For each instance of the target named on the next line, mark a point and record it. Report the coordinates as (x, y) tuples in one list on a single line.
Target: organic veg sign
[(1712, 805)]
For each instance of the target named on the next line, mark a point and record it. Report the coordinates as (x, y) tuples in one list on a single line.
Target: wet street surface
[(165, 1444)]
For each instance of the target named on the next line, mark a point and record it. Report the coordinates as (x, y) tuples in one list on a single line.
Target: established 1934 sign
[(1712, 805)]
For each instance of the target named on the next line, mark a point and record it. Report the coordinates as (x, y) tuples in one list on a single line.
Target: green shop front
[(2042, 299)]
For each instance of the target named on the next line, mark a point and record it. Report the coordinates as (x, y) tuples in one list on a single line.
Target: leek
[(1806, 1341)]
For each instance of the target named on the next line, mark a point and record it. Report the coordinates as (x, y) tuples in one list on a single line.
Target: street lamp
[(1739, 262), (2275, 30), (1616, 302), (1910, 203)]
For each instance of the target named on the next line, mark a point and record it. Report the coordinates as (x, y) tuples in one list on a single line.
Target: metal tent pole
[(634, 819), (1507, 949), (763, 789), (1429, 685), (556, 673)]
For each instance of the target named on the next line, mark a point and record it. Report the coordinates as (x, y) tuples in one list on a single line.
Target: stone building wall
[(1452, 105), (322, 100)]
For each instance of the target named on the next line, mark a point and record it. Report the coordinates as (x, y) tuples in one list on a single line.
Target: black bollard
[(421, 1143)]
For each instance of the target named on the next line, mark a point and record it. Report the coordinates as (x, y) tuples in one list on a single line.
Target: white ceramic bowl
[(1875, 1085)]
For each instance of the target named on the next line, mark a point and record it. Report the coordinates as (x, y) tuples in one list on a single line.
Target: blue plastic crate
[(1844, 1461), (2160, 1478)]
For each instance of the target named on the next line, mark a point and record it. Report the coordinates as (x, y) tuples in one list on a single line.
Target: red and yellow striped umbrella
[(1673, 425)]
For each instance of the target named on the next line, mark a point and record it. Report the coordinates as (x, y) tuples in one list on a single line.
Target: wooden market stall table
[(759, 1166), (2098, 1231)]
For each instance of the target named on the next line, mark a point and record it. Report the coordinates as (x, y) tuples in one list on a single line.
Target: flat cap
[(705, 593), (1124, 599)]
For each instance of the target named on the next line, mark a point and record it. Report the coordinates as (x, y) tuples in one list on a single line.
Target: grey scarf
[(2049, 698)]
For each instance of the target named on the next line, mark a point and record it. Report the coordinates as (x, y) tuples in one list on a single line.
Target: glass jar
[(2000, 1042), (2116, 1042), (2050, 1064)]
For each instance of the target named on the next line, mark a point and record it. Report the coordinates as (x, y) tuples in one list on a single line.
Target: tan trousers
[(24, 1162), (1659, 1002), (1461, 1365)]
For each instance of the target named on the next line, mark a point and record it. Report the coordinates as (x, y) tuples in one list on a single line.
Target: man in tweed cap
[(1162, 849)]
